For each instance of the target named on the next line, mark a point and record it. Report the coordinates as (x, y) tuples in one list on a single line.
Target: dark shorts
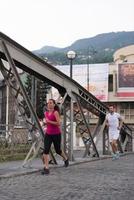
[(56, 140)]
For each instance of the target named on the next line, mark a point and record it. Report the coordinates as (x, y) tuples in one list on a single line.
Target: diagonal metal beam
[(23, 92), (88, 130)]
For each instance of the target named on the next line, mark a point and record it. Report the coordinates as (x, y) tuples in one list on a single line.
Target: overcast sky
[(36, 23)]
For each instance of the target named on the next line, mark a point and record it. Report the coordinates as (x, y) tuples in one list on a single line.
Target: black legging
[(56, 140)]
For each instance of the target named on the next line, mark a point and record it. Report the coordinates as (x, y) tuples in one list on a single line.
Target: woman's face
[(50, 104)]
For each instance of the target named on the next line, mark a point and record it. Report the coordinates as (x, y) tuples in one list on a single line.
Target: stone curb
[(31, 170)]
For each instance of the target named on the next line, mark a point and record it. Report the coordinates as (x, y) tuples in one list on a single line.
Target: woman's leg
[(57, 146), (47, 146), (63, 155), (46, 161)]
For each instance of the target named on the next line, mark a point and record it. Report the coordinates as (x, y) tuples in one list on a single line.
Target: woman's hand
[(48, 121)]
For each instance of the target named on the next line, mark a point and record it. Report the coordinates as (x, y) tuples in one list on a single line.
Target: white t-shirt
[(113, 121)]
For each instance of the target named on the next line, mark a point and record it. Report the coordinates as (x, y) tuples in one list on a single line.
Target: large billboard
[(93, 77), (125, 80)]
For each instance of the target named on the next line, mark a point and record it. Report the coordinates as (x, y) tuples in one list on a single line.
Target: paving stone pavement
[(99, 180)]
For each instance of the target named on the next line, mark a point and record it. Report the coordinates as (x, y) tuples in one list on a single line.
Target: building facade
[(121, 83)]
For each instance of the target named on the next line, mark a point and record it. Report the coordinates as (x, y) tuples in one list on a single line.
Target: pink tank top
[(51, 128)]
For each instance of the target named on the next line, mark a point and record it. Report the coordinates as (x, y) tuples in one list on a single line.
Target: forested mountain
[(96, 49)]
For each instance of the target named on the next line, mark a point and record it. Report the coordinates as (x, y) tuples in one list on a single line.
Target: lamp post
[(71, 55)]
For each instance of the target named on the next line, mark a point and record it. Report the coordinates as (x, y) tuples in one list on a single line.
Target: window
[(127, 110), (110, 82)]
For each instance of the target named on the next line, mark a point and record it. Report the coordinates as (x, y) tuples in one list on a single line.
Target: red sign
[(125, 80)]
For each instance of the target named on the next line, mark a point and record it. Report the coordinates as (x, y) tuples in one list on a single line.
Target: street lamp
[(71, 55)]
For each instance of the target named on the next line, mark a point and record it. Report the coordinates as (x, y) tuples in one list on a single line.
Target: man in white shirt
[(114, 123)]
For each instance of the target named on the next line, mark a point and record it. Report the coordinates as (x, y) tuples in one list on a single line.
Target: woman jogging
[(53, 135)]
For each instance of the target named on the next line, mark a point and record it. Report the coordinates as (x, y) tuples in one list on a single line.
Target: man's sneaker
[(117, 155), (66, 163), (113, 156), (45, 171)]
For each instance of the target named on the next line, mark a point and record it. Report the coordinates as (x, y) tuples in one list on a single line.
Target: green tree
[(26, 79), (41, 94), (42, 91)]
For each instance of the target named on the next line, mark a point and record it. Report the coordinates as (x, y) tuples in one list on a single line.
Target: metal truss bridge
[(76, 101)]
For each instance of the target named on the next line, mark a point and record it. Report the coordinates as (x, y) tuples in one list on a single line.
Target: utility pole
[(7, 110), (88, 83)]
